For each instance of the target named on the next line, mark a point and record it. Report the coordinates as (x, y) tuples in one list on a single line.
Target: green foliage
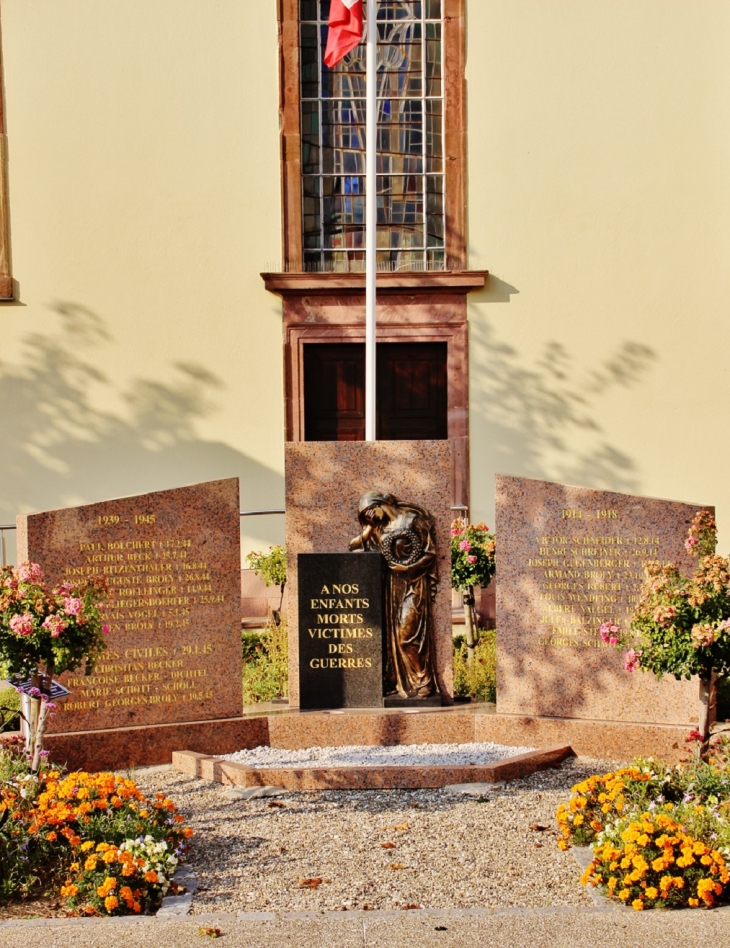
[(472, 555), (265, 663), (477, 681), (271, 566), (9, 707)]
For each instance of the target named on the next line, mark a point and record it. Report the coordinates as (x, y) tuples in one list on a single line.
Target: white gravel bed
[(379, 849), (361, 755)]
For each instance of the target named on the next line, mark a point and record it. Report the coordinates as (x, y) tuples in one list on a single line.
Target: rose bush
[(681, 625), (45, 631)]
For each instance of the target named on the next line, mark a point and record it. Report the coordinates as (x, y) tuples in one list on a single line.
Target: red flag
[(345, 30)]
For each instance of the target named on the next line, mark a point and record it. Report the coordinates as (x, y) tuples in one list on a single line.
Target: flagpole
[(371, 216)]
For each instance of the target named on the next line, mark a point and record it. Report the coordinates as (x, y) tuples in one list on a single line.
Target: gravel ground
[(354, 755), (338, 850)]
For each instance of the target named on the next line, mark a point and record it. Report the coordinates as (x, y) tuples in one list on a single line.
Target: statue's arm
[(361, 543)]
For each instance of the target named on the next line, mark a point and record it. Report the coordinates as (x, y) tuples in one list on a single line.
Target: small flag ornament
[(345, 30)]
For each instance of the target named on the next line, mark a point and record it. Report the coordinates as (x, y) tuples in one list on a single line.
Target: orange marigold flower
[(51, 837), (110, 903), (151, 876)]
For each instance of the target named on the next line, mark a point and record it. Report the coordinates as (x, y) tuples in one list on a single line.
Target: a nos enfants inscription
[(171, 562), (340, 630)]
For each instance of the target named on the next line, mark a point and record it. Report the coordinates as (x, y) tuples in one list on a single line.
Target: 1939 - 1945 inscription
[(340, 630)]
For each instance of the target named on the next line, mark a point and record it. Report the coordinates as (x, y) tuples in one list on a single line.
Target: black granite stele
[(340, 630)]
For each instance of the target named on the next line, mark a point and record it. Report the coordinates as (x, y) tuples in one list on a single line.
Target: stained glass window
[(410, 162)]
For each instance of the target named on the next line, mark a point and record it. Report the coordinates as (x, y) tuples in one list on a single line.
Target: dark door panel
[(411, 391)]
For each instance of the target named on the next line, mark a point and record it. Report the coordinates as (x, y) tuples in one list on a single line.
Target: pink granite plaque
[(324, 482), (568, 559), (172, 564)]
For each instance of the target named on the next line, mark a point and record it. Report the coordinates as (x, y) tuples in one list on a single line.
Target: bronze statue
[(404, 534)]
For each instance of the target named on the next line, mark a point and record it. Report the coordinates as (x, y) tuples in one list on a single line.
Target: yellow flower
[(624, 894), (110, 903), (90, 863), (652, 892), (85, 847), (637, 905), (578, 819)]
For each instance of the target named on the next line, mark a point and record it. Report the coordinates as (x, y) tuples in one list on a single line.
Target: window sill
[(447, 281)]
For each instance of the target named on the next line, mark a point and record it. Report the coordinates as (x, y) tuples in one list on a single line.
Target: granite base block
[(367, 778), (145, 746), (387, 727), (603, 739)]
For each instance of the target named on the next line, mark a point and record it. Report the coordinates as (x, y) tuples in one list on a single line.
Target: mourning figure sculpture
[(404, 535)]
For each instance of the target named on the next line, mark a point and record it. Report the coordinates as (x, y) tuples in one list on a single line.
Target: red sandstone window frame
[(413, 306), (454, 132)]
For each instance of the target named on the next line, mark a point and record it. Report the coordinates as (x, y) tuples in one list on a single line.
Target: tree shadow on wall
[(538, 420), (60, 449)]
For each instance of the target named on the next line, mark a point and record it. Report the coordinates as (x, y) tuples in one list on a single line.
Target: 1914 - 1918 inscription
[(340, 630)]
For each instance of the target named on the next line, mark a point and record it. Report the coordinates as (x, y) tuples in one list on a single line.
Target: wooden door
[(334, 392), (411, 391)]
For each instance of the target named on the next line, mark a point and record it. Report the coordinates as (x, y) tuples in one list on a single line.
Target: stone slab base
[(143, 746), (607, 739), (366, 778), (381, 727)]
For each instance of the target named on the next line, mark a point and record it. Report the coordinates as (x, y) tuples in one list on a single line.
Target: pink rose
[(55, 625), (30, 573), (471, 559), (105, 629), (465, 546), (72, 606), (632, 660), (609, 632), (63, 590), (690, 543), (22, 625)]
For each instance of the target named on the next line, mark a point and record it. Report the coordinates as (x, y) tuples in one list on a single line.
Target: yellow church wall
[(599, 199), (144, 187), (144, 191)]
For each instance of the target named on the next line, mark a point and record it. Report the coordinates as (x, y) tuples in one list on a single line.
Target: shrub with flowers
[(651, 862), (472, 555), (46, 631), (120, 880), (660, 833), (65, 829), (681, 626)]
